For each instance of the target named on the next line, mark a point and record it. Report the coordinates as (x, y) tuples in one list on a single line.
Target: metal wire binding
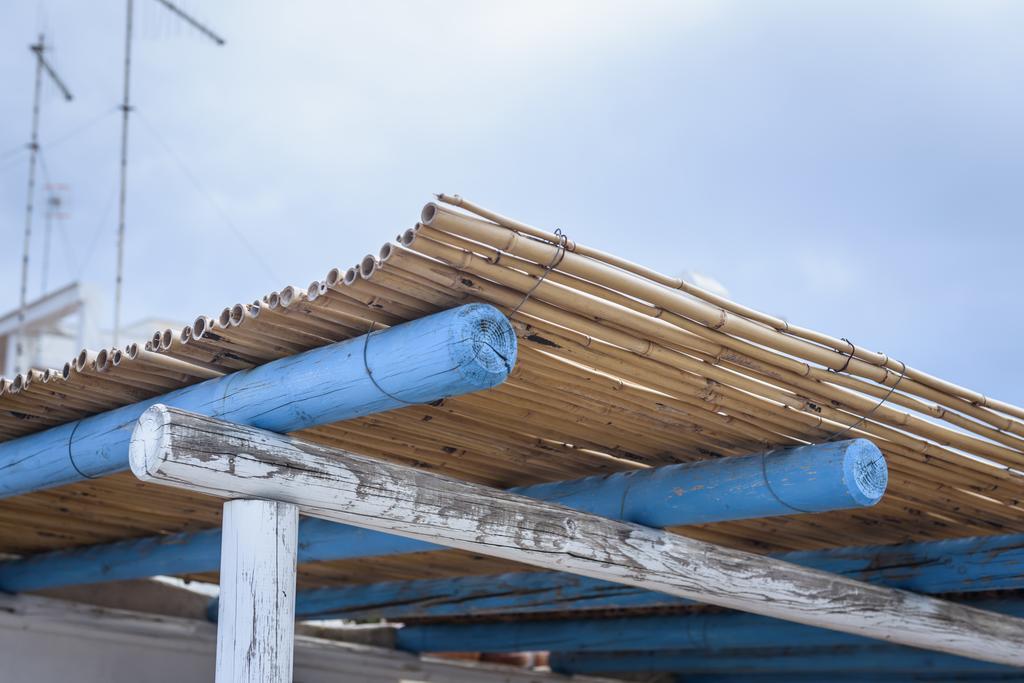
[(563, 239)]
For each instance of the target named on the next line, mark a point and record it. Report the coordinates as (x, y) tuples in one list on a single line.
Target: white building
[(58, 325)]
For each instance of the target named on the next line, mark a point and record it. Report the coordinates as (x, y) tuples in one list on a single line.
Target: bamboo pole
[(854, 432), (699, 310), (539, 289), (839, 345), (605, 312), (144, 357)]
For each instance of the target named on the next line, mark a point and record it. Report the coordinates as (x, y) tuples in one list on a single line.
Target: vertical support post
[(19, 340), (126, 108), (256, 623)]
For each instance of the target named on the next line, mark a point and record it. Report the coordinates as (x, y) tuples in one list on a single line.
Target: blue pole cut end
[(827, 476), (865, 472), (482, 344)]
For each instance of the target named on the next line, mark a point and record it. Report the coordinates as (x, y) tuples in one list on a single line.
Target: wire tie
[(878, 405), (563, 239), (369, 373), (853, 350), (71, 457)]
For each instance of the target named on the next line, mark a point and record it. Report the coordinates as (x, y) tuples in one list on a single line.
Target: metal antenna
[(125, 111), (54, 210), (195, 24), (39, 49)]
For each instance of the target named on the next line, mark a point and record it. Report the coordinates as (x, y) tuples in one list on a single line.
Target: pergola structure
[(506, 441)]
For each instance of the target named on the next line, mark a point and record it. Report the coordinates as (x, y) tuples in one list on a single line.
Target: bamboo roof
[(619, 367)]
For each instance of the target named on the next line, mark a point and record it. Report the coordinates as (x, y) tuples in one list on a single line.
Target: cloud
[(706, 282), (727, 137)]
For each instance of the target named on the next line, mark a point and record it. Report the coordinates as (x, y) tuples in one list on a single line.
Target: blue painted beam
[(454, 352), (520, 593), (950, 566), (186, 553), (830, 476), (879, 659), (676, 633), (818, 478), (835, 677), (954, 566)]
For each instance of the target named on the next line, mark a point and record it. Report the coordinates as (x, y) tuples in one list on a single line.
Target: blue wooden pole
[(884, 659), (818, 478), (868, 677), (454, 352), (185, 553), (955, 566), (680, 632), (847, 473)]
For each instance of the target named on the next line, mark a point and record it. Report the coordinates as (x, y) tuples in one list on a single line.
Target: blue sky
[(852, 166)]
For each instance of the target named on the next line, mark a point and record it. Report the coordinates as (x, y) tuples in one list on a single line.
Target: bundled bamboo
[(840, 345), (620, 367)]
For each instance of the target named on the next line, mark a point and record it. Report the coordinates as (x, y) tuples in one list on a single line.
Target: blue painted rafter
[(702, 632), (953, 566), (823, 661), (809, 478), (454, 352)]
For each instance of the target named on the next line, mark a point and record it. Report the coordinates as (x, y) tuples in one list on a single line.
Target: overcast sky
[(854, 167)]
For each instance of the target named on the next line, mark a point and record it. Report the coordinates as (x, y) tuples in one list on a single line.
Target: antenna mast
[(54, 206), (39, 49), (126, 108)]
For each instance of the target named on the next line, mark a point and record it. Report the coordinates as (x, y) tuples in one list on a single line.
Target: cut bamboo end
[(166, 338), (201, 327), (334, 276), (315, 289), (238, 314), (367, 266), (224, 319), (290, 295), (84, 360)]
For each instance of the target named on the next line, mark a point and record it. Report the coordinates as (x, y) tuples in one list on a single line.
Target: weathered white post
[(256, 621)]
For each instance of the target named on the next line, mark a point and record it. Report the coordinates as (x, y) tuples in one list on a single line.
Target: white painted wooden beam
[(201, 454), (256, 621)]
